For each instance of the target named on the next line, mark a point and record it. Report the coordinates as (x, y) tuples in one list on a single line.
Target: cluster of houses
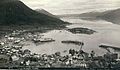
[(16, 56)]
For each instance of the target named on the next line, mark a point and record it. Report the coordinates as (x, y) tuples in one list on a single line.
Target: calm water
[(107, 33)]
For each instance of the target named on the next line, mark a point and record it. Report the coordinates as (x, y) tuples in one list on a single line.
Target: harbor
[(12, 54)]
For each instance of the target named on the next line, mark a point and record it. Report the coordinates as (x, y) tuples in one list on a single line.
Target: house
[(4, 59)]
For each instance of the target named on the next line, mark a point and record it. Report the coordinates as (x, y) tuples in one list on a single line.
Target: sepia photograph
[(59, 34)]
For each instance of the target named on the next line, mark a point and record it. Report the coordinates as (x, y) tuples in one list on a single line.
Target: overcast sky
[(69, 6)]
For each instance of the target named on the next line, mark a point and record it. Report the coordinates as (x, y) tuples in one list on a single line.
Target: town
[(12, 54)]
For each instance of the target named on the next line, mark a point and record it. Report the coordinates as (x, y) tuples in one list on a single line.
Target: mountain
[(111, 16), (15, 12), (84, 16), (90, 14), (46, 13)]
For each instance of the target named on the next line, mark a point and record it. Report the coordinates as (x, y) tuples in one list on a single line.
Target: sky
[(72, 6)]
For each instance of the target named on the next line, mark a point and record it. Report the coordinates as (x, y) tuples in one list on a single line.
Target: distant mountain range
[(15, 12), (109, 15), (46, 13)]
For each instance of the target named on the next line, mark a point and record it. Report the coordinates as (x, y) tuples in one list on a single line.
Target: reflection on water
[(107, 33)]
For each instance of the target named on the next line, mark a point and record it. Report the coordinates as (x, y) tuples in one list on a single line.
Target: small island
[(81, 31)]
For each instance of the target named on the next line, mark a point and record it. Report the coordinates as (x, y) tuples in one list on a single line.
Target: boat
[(43, 40), (73, 42)]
